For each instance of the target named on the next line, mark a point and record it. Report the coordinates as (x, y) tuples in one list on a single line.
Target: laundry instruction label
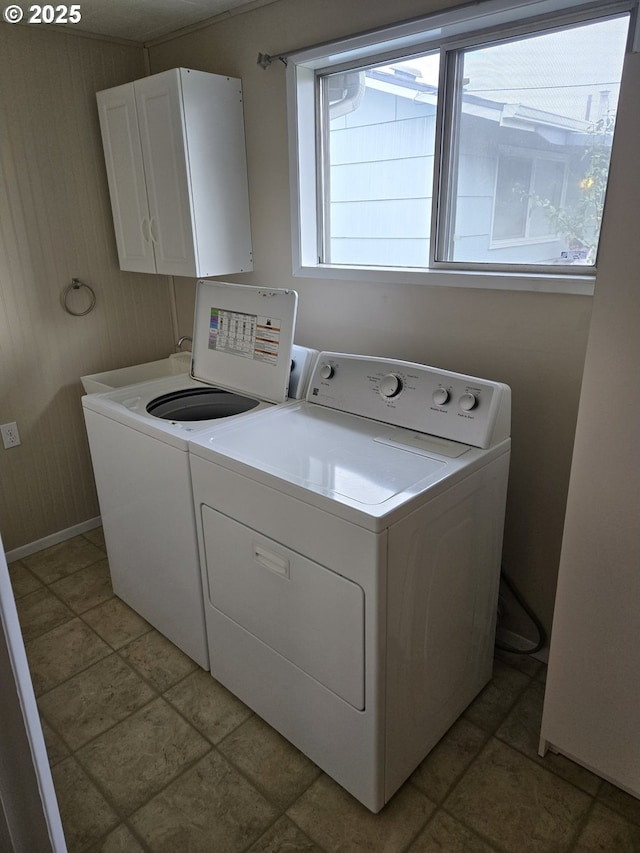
[(245, 335)]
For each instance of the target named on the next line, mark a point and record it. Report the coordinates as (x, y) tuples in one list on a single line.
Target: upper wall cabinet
[(176, 165)]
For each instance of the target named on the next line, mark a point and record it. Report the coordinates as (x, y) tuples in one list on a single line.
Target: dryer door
[(310, 615)]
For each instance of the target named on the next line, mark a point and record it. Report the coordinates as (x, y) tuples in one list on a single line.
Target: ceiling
[(145, 20)]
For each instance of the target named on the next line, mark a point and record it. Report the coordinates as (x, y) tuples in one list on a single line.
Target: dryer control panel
[(414, 396)]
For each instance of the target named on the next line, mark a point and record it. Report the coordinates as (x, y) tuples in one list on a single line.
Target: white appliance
[(350, 547), (174, 151), (138, 437)]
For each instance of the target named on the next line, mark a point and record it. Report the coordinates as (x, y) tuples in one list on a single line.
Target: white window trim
[(375, 46)]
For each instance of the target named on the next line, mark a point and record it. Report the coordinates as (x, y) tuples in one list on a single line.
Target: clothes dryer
[(138, 437), (350, 546)]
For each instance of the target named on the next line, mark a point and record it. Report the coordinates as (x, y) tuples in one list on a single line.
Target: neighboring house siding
[(381, 182), (381, 186), (476, 187)]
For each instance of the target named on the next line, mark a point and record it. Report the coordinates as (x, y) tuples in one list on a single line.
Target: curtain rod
[(264, 60), (477, 10)]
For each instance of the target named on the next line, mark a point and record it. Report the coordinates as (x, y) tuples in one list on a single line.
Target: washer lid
[(242, 338)]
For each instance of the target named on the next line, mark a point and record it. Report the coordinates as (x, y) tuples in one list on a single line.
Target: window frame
[(450, 32)]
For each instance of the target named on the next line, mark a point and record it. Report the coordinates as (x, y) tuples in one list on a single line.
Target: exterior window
[(465, 155), (380, 150), (548, 100), (521, 180)]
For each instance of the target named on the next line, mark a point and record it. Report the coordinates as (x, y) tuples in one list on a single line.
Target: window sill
[(581, 285)]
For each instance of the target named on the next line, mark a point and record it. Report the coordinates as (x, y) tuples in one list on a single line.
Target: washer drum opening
[(200, 404)]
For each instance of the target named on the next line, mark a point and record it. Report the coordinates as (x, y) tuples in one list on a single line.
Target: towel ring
[(76, 284)]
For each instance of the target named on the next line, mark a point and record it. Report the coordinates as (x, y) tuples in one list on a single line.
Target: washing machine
[(350, 547), (138, 438)]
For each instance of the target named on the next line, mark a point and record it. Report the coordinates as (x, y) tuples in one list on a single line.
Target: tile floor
[(149, 753)]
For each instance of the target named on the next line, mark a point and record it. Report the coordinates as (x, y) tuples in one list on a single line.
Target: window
[(523, 177), (379, 150), (427, 148)]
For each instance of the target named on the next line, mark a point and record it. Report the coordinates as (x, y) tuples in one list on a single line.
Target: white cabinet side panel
[(214, 125)]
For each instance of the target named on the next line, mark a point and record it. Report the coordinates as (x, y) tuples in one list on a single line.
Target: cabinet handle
[(271, 561), (145, 230), (153, 229)]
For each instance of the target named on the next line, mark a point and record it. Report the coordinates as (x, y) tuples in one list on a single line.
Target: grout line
[(581, 824), (158, 693), (73, 752), (485, 840), (126, 816), (416, 835)]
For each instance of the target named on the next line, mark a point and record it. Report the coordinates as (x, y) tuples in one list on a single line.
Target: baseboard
[(53, 539), (517, 641)]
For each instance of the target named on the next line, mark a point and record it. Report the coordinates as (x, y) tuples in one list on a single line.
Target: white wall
[(534, 341), (55, 224), (592, 705)]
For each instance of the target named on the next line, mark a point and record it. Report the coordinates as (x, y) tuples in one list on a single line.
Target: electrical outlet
[(10, 435)]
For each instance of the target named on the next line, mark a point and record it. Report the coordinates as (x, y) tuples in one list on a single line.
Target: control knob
[(390, 385), (327, 371), (468, 402), (440, 396)]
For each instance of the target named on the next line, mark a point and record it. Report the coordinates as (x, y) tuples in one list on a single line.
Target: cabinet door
[(160, 117), (125, 174)]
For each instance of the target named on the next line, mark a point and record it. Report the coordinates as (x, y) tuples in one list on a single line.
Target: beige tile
[(607, 831), (274, 766), (521, 730), (63, 559), (94, 700), (39, 612), (86, 588), (524, 663), (498, 697), (116, 622), (62, 652), (337, 822), (444, 834), (541, 675), (446, 762), (284, 837), (85, 813), (120, 840), (211, 807), (22, 580), (516, 804), (158, 660), (96, 537), (208, 706), (620, 801), (139, 756), (56, 749)]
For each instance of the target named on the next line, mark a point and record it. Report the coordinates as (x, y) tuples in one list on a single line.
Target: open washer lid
[(243, 337)]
